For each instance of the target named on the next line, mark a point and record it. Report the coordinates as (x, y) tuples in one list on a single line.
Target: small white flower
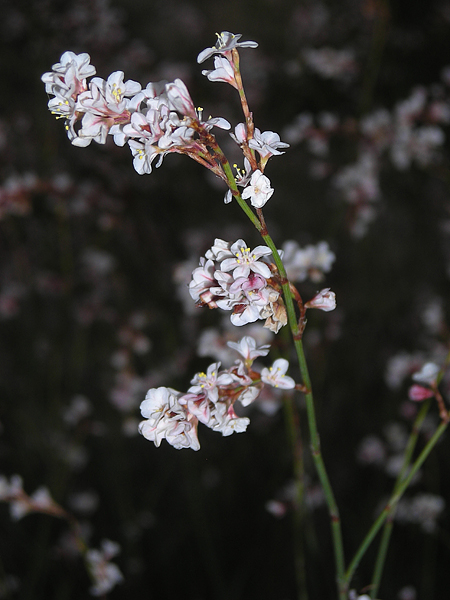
[(259, 190), (276, 375), (226, 41), (246, 260), (267, 144), (209, 382), (223, 71), (248, 349)]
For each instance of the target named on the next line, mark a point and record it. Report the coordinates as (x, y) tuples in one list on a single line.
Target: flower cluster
[(154, 121), (161, 118), (234, 277), (174, 416)]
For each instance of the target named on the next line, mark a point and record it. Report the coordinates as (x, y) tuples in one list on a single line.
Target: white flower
[(266, 144), (427, 373), (223, 71), (166, 418), (248, 349), (276, 375), (325, 300), (209, 382), (69, 75), (226, 41), (180, 99), (259, 190), (249, 395), (240, 133), (246, 260)]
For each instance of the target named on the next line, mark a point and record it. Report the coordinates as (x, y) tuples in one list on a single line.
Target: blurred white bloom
[(330, 63), (427, 374), (371, 451), (309, 262), (106, 575), (401, 366), (423, 509)]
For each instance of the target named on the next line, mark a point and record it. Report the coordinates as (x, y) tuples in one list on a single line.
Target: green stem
[(336, 531), (387, 530), (294, 432), (391, 505)]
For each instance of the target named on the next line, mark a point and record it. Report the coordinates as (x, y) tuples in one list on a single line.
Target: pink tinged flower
[(324, 300), (249, 395), (244, 314), (157, 402), (427, 374), (202, 279), (229, 423), (223, 71), (199, 406), (180, 99), (115, 89), (276, 375), (240, 134), (418, 393), (226, 41), (208, 383), (259, 190), (248, 349), (267, 143), (246, 260), (68, 77)]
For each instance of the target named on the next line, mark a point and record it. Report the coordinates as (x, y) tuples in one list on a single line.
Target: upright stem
[(293, 426), (310, 410), (387, 530), (392, 503)]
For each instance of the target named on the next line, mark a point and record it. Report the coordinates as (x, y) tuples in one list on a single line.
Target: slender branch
[(387, 530), (336, 531), (391, 504)]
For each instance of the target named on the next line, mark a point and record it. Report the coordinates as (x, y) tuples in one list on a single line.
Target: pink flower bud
[(419, 393), (324, 300)]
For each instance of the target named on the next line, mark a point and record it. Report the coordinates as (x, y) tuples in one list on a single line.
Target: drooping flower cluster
[(161, 118), (174, 416), (234, 277), (155, 121)]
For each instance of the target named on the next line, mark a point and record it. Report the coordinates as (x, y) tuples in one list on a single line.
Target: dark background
[(194, 525)]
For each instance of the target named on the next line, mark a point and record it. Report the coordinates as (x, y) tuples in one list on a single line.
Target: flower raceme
[(174, 416), (160, 118)]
